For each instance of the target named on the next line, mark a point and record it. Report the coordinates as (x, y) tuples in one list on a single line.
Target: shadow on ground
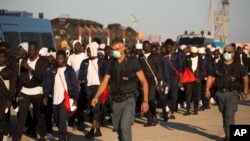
[(192, 129), (246, 103)]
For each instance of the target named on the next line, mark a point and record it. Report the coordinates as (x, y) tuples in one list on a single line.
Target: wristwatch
[(146, 101)]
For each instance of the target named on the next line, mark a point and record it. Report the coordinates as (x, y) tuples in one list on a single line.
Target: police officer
[(228, 76), (122, 75)]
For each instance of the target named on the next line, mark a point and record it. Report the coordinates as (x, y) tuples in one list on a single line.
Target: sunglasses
[(227, 51)]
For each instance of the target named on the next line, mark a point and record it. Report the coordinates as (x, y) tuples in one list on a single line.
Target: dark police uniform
[(228, 84), (123, 85)]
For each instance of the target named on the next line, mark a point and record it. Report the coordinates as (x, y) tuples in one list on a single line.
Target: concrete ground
[(207, 126)]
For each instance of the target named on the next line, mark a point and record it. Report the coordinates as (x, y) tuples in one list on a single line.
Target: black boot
[(165, 116), (154, 121), (149, 123), (187, 113), (172, 116), (195, 110), (80, 126), (98, 132), (202, 108), (90, 134)]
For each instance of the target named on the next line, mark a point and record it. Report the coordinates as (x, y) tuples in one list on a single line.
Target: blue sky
[(166, 17)]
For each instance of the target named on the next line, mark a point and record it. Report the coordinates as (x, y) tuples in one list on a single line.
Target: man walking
[(150, 64), (31, 78), (122, 75), (228, 76)]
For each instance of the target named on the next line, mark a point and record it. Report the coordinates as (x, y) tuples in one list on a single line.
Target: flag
[(133, 19)]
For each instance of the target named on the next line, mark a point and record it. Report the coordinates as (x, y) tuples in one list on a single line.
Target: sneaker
[(185, 105), (49, 136), (167, 109), (5, 137), (179, 106), (212, 101), (200, 102)]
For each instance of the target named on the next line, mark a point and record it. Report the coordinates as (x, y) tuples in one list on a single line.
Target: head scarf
[(93, 48), (194, 49), (202, 50), (183, 47), (51, 53), (43, 51), (75, 42), (24, 45), (102, 48)]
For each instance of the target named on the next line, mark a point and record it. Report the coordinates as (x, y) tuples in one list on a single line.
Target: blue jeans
[(61, 118), (123, 118)]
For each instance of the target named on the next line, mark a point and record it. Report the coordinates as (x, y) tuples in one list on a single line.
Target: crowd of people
[(117, 83)]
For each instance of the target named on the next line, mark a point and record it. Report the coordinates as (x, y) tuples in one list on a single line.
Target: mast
[(225, 17), (221, 19), (212, 6)]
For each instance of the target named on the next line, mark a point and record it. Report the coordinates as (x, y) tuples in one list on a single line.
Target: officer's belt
[(223, 90), (121, 98)]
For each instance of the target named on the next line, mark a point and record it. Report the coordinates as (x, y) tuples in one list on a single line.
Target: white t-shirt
[(75, 61), (93, 74), (59, 86), (19, 66), (36, 90), (217, 60), (194, 63), (6, 82), (147, 54), (241, 60), (2, 67)]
